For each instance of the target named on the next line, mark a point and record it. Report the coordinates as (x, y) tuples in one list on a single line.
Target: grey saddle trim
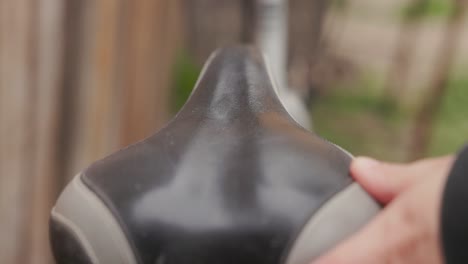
[(343, 214), (92, 223)]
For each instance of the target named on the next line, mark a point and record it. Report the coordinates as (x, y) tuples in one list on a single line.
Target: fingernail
[(365, 164)]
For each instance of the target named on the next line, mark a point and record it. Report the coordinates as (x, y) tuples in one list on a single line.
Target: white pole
[(272, 36)]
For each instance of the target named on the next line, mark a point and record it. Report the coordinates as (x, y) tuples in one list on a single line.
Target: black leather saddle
[(231, 179)]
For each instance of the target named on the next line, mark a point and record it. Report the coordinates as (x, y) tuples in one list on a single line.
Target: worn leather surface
[(231, 179), (65, 245)]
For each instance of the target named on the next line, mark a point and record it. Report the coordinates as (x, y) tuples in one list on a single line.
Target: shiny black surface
[(65, 246), (231, 179)]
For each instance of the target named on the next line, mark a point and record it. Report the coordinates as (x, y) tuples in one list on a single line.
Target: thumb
[(382, 180)]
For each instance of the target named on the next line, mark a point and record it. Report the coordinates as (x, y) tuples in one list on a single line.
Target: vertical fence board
[(78, 79), (45, 178), (16, 100), (151, 41)]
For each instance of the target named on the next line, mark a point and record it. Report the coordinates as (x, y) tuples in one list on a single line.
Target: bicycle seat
[(231, 179)]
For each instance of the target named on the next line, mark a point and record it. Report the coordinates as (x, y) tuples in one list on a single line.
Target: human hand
[(407, 229)]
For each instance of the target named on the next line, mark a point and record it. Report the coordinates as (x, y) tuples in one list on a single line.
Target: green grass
[(340, 5), (451, 128), (428, 9), (185, 74), (357, 118)]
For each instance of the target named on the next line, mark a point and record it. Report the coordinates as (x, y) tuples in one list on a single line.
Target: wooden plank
[(46, 179), (103, 93), (212, 24), (70, 134), (151, 41), (306, 19), (64, 68), (95, 94), (16, 103)]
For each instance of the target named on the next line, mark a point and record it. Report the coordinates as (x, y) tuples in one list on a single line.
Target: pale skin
[(407, 230)]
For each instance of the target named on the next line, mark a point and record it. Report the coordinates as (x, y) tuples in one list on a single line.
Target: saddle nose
[(232, 178), (233, 83)]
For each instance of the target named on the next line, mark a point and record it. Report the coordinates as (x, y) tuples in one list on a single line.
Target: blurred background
[(81, 79)]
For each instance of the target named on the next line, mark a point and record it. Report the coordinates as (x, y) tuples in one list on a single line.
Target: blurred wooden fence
[(78, 79)]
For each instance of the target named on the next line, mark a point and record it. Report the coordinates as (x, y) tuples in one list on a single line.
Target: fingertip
[(369, 173), (363, 166)]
